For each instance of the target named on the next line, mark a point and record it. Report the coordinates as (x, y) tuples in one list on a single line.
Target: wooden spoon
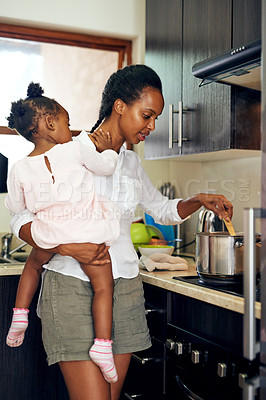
[(230, 227)]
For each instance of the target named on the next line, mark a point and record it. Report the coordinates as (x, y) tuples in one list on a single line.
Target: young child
[(55, 182)]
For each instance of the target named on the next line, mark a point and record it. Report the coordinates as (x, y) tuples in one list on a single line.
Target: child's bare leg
[(27, 287), (101, 279)]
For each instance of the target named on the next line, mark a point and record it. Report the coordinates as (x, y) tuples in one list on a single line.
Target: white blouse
[(128, 187)]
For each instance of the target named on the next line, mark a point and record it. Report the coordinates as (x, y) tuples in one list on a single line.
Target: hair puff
[(35, 90)]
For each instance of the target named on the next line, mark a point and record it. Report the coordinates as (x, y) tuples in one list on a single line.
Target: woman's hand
[(214, 202), (85, 253), (101, 140)]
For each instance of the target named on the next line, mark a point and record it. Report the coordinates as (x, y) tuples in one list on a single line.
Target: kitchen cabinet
[(24, 372), (146, 376), (246, 21), (202, 352), (211, 117)]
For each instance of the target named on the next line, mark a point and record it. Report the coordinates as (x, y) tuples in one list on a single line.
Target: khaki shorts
[(67, 324)]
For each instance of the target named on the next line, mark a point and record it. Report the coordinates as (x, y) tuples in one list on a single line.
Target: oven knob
[(222, 370), (170, 344), (179, 348), (195, 356)]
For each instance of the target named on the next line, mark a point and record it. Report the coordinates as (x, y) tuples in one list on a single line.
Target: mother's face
[(138, 119)]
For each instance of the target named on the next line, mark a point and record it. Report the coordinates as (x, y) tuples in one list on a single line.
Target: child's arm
[(14, 200), (103, 161), (102, 140)]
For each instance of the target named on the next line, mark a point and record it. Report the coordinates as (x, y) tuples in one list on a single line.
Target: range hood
[(239, 66)]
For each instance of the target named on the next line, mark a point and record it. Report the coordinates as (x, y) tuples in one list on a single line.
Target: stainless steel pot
[(220, 256)]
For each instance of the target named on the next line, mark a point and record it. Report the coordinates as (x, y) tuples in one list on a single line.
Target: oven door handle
[(250, 344), (190, 395)]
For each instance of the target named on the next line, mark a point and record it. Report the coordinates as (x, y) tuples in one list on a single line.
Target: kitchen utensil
[(230, 227), (148, 250), (219, 256)]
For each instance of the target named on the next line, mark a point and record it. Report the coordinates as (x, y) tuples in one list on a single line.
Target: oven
[(201, 370), (204, 354)]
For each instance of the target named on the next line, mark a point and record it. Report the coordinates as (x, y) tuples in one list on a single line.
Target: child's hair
[(126, 84), (25, 114)]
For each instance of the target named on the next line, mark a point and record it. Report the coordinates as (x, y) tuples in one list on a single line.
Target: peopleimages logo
[(233, 189)]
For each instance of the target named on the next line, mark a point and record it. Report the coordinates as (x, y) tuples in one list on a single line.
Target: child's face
[(62, 133)]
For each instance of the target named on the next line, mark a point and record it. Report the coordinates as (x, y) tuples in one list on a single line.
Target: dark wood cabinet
[(207, 32), (194, 340), (146, 376), (215, 116), (164, 54), (246, 21), (24, 372)]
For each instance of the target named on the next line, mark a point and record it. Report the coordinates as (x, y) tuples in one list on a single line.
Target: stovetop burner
[(235, 289)]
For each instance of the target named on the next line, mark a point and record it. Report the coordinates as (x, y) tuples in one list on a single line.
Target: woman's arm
[(214, 202), (86, 253)]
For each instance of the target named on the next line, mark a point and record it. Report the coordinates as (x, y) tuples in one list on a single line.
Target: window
[(72, 68)]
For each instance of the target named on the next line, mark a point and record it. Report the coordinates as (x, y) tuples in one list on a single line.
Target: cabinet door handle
[(189, 394), (133, 396), (142, 360), (151, 310), (180, 112)]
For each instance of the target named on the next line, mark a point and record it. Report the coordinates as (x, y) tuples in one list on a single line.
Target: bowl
[(148, 250)]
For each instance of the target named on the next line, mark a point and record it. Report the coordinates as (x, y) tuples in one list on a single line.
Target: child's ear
[(119, 106), (49, 120)]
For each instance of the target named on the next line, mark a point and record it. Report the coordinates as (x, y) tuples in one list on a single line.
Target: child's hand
[(102, 140)]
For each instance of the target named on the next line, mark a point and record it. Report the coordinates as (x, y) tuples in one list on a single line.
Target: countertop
[(164, 280)]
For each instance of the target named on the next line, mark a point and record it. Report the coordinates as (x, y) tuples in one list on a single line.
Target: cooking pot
[(220, 256)]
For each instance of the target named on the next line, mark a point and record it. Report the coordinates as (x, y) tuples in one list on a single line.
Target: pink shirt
[(66, 206)]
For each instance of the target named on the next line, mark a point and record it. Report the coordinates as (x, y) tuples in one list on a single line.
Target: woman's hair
[(25, 114), (126, 84)]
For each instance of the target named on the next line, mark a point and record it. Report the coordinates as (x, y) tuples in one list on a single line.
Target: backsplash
[(237, 179)]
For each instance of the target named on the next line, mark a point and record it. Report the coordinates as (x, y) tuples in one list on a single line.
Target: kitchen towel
[(163, 262)]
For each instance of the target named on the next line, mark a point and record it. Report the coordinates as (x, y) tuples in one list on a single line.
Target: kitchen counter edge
[(164, 280)]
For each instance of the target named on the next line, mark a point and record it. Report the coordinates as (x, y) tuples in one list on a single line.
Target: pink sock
[(18, 327), (101, 354)]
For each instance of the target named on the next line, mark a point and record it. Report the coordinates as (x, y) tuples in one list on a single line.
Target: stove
[(235, 289)]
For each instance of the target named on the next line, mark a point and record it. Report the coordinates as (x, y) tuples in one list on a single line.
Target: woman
[(131, 102)]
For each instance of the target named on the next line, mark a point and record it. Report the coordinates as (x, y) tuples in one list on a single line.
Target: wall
[(116, 18), (237, 179)]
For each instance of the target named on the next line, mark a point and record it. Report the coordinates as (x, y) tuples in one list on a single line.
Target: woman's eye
[(146, 116)]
